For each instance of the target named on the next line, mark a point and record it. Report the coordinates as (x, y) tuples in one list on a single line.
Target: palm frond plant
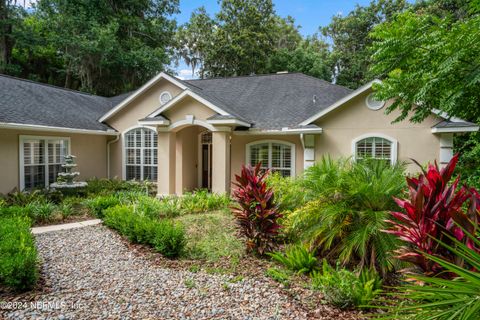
[(297, 258), (345, 222), (440, 298)]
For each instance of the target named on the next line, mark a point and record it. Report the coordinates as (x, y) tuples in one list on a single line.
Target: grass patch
[(211, 236)]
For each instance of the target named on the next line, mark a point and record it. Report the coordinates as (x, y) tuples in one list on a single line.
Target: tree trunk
[(6, 43)]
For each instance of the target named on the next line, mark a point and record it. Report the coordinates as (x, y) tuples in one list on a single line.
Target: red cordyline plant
[(434, 209), (256, 213)]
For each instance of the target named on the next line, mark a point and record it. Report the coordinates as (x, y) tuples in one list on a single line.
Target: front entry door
[(206, 149)]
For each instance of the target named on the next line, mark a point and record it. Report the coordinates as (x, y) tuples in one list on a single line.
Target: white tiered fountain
[(66, 179)]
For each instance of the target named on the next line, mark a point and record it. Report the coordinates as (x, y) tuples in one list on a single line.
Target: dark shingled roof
[(269, 101), (27, 102)]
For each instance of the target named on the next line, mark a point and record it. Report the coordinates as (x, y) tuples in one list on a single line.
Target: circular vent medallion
[(165, 97), (374, 104)]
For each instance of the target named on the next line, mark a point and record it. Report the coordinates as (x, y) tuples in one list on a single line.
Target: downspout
[(108, 153)]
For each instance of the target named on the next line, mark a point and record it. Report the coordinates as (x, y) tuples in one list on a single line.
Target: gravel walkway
[(90, 274)]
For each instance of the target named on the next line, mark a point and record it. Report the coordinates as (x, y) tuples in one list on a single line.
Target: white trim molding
[(21, 155), (446, 148), (393, 146), (292, 153), (142, 89), (340, 102), (234, 122), (34, 127), (455, 129), (153, 122), (181, 96), (283, 131), (191, 121)]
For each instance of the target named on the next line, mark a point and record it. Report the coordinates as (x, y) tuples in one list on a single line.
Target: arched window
[(141, 154), (275, 155), (375, 147)]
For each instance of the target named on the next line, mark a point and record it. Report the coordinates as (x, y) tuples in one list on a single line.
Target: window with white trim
[(141, 154), (41, 160), (276, 156), (374, 148)]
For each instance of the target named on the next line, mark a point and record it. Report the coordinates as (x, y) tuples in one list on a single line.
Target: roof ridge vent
[(282, 72)]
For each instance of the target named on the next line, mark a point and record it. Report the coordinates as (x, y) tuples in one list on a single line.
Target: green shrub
[(344, 289), (42, 211), (98, 204), (279, 275), (17, 211), (18, 255), (97, 187), (166, 237), (66, 209), (296, 258), (202, 201), (169, 238), (347, 213), (289, 192)]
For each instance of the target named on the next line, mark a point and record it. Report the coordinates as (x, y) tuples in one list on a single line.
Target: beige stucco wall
[(188, 106), (128, 117), (90, 150), (239, 146), (354, 119), (187, 156)]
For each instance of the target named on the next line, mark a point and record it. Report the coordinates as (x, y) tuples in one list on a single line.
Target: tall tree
[(194, 38), (310, 56), (243, 38), (110, 46), (10, 18), (350, 37)]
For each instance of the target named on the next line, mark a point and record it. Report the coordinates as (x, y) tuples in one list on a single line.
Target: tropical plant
[(345, 289), (345, 219), (256, 212), (439, 298), (296, 258), (18, 255), (289, 192), (433, 207)]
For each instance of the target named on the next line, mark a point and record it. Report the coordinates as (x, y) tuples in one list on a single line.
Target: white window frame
[(393, 145), (21, 157), (270, 142), (124, 150)]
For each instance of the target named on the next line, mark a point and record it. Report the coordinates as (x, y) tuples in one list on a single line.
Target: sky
[(309, 14)]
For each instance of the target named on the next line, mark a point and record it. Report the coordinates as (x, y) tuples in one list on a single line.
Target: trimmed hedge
[(18, 255), (166, 237)]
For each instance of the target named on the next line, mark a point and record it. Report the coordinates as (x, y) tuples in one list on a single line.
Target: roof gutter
[(283, 131), (31, 127)]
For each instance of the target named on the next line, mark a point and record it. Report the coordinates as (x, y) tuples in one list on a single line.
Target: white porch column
[(446, 148), (308, 151), (221, 161), (166, 162)]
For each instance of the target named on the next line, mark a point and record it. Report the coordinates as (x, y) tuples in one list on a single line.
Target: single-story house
[(188, 134)]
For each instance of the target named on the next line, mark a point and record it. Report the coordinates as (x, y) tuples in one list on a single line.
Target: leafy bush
[(430, 214), (347, 211), (279, 275), (42, 212), (99, 204), (18, 255), (97, 187), (289, 192), (344, 289), (439, 298), (166, 237), (203, 201), (256, 213), (296, 258)]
